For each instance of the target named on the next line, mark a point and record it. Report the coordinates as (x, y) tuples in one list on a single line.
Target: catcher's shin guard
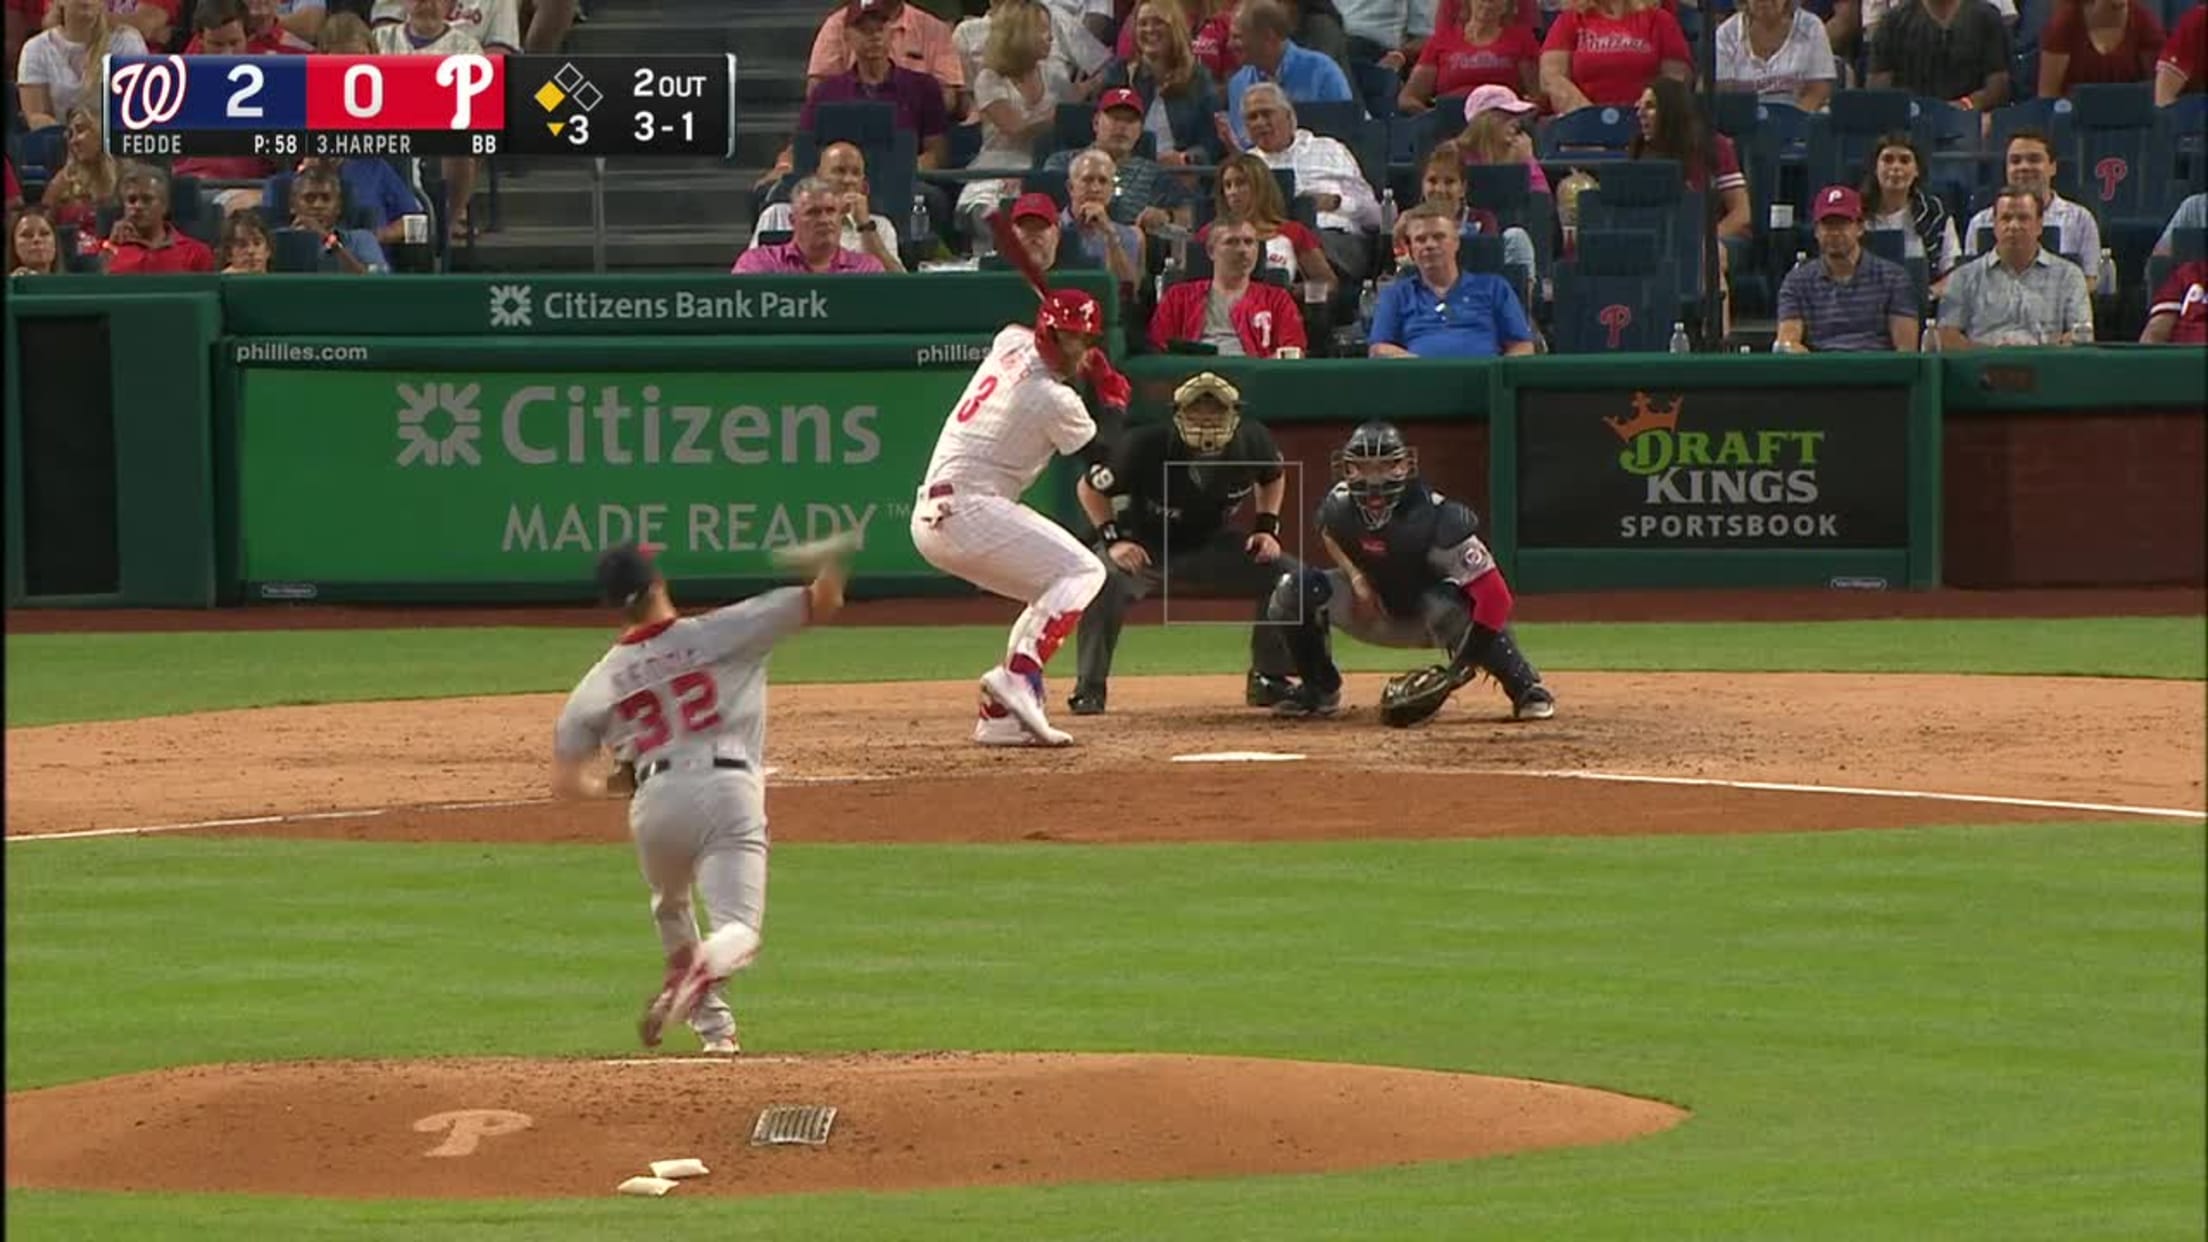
[(1299, 605), (1509, 666)]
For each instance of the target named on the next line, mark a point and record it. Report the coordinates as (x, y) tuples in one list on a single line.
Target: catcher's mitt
[(1411, 697)]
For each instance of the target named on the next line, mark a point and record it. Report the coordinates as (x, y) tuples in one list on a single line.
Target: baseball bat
[(1008, 244)]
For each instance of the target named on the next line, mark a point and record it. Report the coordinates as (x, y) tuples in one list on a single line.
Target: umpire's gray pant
[(1217, 567)]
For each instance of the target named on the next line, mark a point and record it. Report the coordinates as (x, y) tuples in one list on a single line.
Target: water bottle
[(922, 227), (1168, 272), (1801, 257), (2107, 283), (1679, 342), (1387, 212), (1368, 304), (1930, 341)]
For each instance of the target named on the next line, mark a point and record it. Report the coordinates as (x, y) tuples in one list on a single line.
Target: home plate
[(1238, 756)]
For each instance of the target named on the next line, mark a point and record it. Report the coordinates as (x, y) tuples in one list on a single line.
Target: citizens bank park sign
[(1714, 468)]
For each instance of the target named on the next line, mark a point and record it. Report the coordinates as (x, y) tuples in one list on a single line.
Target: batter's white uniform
[(686, 702), (1015, 415)]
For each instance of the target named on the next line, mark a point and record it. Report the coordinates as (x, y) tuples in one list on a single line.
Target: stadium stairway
[(661, 213)]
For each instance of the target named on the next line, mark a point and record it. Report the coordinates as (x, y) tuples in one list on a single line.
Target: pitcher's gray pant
[(1215, 568), (707, 827)]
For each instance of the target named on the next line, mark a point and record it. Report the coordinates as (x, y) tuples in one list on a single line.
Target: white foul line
[(2118, 808)]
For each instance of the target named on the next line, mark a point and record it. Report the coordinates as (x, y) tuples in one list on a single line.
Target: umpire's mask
[(1207, 410)]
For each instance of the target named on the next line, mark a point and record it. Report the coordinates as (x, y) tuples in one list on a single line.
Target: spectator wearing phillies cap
[(1231, 312), (1143, 195), (2179, 315), (816, 243), (1846, 300), (1035, 222)]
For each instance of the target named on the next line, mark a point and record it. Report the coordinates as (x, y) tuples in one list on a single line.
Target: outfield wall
[(194, 440)]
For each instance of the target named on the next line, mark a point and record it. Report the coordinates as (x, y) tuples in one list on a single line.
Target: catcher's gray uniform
[(685, 701)]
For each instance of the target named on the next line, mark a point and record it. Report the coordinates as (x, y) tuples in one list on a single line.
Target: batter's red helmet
[(1070, 310)]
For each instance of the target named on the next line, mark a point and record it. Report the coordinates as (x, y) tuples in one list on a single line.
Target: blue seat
[(42, 151), (965, 144), (775, 237), (2186, 121), (1589, 130), (1649, 196), (1480, 253), (2189, 244), (865, 123), (1076, 128), (1333, 119), (1378, 86), (294, 250), (2124, 162), (1051, 181), (1612, 297)]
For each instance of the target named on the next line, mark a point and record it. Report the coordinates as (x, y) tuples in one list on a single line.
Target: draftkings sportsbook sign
[(1714, 468)]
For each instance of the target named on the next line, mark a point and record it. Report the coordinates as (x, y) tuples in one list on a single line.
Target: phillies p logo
[(2111, 173), (1617, 317)]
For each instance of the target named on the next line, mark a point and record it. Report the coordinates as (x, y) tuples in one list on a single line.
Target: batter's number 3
[(967, 411), (693, 694)]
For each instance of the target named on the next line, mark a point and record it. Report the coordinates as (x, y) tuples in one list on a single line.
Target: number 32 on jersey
[(646, 710)]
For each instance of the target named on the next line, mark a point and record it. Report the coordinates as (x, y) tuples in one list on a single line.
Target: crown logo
[(1646, 418)]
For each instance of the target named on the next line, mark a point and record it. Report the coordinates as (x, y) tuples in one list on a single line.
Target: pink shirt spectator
[(786, 257), (918, 40), (1614, 57)]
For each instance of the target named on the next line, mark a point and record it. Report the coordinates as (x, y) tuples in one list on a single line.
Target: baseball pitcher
[(1161, 513), (1019, 410), (681, 702), (1409, 569)]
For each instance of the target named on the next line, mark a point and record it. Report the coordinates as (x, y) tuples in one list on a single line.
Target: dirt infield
[(906, 1122), (891, 764)]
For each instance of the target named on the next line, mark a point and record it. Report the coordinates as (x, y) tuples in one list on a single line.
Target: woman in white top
[(1071, 44), (50, 74), (1017, 94), (1773, 48), (427, 32)]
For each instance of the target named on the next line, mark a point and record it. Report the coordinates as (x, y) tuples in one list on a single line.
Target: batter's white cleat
[(1011, 692), (1001, 731)]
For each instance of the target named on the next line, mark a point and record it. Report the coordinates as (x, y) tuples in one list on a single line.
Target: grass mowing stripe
[(54, 678), (1953, 1033)]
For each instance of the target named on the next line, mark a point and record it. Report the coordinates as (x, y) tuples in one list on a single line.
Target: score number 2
[(694, 696)]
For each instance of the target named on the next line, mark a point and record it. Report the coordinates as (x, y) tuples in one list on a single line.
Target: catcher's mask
[(1207, 410), (1378, 466)]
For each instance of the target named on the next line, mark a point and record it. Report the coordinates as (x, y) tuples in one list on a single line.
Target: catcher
[(1161, 512), (1410, 569)]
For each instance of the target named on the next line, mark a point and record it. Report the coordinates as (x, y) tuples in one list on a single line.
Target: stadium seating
[(1610, 296), (1587, 132)]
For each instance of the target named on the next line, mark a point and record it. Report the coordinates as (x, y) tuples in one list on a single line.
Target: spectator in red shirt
[(1247, 190), (263, 34), (33, 247), (143, 240), (1602, 52), (1671, 128), (2097, 41), (15, 187), (1231, 312), (2181, 70), (1488, 49), (2179, 315), (218, 29)]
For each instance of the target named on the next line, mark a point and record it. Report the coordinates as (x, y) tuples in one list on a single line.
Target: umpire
[(1161, 511)]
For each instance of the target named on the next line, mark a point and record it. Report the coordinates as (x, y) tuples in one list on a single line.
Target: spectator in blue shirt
[(1443, 311), (1261, 30), (369, 182)]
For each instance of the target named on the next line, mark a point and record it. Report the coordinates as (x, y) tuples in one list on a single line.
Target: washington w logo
[(512, 306), (421, 442)]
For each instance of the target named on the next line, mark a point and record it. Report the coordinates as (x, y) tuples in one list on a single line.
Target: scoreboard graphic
[(281, 107)]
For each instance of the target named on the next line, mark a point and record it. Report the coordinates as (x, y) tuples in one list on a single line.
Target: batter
[(1019, 410), (681, 702)]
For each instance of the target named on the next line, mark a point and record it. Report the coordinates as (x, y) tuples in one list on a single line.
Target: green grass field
[(1967, 1033)]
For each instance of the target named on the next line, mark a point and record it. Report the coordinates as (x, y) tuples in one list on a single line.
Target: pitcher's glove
[(621, 782), (1410, 698)]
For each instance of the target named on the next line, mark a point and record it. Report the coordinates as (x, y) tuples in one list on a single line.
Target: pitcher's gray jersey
[(694, 686)]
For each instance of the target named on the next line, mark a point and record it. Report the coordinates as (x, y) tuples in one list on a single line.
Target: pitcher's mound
[(907, 1121)]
